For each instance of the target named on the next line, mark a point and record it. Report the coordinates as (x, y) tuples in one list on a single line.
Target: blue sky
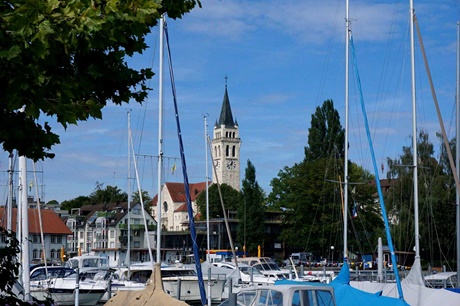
[(282, 59)]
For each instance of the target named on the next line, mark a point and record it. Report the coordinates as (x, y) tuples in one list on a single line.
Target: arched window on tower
[(215, 151), (227, 149), (234, 134), (218, 151), (233, 151)]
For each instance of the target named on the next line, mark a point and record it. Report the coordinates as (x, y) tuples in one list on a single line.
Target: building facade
[(42, 223), (174, 212), (103, 229), (226, 145)]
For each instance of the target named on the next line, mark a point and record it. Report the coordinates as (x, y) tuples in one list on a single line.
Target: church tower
[(226, 147)]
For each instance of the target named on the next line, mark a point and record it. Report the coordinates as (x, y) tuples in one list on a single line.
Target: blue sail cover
[(346, 295)]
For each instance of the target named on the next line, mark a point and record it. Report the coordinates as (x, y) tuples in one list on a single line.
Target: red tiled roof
[(52, 224), (182, 208), (177, 191)]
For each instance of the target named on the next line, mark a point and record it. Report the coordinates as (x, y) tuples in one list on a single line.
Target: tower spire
[(226, 117)]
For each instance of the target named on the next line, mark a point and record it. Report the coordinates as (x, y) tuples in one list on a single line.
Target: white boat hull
[(190, 290), (62, 292)]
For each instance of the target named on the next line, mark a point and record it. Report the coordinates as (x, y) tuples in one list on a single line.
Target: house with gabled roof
[(55, 233), (102, 229), (174, 211)]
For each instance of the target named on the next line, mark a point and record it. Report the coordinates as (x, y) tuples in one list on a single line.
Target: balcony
[(150, 227)]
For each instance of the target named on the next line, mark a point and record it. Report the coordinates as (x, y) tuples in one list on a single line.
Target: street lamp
[(332, 251)]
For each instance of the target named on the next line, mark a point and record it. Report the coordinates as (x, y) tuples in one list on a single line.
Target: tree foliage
[(146, 199), (230, 196), (436, 201), (64, 60), (310, 195), (109, 194), (76, 202), (251, 211), (326, 136)]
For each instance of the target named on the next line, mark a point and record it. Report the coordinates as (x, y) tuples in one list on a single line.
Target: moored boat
[(59, 284)]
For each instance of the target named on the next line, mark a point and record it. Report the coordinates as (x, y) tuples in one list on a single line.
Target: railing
[(150, 227)]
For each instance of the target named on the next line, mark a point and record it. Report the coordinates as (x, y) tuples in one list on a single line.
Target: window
[(35, 253), (58, 239), (137, 221), (136, 211), (233, 151), (165, 206), (137, 244), (82, 235), (112, 234), (227, 150), (36, 239), (53, 252), (112, 245)]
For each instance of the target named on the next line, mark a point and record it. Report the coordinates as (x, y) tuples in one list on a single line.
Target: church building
[(226, 157), (226, 147)]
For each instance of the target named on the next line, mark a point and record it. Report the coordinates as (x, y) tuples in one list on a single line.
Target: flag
[(355, 211), (173, 169)]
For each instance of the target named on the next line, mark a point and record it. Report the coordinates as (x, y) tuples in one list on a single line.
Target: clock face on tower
[(231, 164)]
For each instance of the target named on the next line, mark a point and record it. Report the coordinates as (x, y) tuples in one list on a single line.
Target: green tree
[(368, 226), (109, 194), (326, 136), (146, 199), (75, 203), (251, 211), (311, 205), (64, 60), (230, 196), (436, 198), (53, 202), (310, 195)]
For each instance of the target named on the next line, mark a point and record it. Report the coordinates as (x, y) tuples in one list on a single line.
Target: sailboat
[(416, 293), (153, 294), (155, 289)]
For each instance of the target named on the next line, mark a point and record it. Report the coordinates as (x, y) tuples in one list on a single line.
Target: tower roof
[(226, 117)]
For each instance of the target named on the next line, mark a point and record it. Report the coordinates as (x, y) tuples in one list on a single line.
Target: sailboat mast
[(208, 244), (9, 209), (25, 229), (414, 131), (457, 148), (345, 184), (207, 187), (160, 139), (128, 253)]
